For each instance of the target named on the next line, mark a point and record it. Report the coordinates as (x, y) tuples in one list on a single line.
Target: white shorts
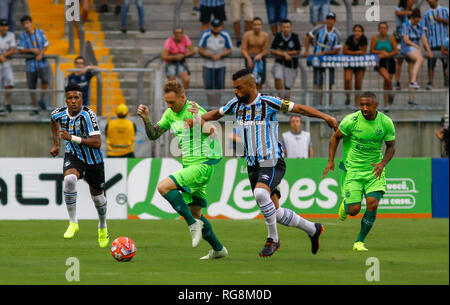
[(288, 75), (244, 6), (6, 75)]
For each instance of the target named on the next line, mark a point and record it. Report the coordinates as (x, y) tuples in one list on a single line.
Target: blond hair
[(173, 86)]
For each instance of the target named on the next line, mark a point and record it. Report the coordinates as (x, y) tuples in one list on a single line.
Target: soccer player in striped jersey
[(256, 119), (436, 20), (77, 125)]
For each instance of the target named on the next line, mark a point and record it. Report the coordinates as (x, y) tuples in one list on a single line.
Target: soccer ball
[(123, 249)]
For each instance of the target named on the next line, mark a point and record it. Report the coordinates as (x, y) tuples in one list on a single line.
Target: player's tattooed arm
[(153, 131)]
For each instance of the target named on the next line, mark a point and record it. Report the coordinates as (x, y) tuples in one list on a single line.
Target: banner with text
[(302, 189), (32, 188)]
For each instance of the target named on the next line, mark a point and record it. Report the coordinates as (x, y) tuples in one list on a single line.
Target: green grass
[(410, 251)]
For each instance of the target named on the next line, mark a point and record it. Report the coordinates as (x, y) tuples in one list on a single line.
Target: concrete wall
[(414, 139)]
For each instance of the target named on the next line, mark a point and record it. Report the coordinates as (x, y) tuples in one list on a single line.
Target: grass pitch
[(409, 251)]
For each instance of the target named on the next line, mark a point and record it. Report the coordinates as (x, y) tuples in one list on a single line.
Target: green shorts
[(192, 181), (355, 185)]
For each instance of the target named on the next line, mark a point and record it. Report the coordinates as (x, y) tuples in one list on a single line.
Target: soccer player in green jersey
[(363, 163), (186, 189)]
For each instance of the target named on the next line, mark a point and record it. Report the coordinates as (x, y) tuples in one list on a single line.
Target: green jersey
[(197, 147), (363, 139)]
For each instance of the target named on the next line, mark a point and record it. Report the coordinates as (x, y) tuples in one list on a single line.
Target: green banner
[(303, 190)]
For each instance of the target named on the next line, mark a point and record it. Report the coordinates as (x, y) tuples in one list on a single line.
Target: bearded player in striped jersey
[(77, 125), (255, 115)]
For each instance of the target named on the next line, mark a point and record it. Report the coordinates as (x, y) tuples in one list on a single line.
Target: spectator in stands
[(213, 45), (196, 7), (402, 14), (209, 8), (436, 22), (277, 11), (318, 11), (7, 48), (285, 46), (7, 8), (296, 142), (385, 46), (246, 8), (412, 34), (355, 44), (176, 49), (327, 41), (255, 47), (34, 42), (120, 134), (82, 77), (141, 14), (104, 7)]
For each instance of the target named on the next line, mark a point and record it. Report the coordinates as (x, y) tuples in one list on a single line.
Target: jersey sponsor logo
[(265, 177)]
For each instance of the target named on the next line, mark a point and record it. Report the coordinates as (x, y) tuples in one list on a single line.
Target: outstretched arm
[(388, 155), (312, 112), (332, 147)]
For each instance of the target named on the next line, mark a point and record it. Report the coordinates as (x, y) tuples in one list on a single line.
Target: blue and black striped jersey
[(83, 125), (436, 31), (258, 126)]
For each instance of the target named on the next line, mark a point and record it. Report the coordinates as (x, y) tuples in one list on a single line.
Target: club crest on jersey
[(378, 132)]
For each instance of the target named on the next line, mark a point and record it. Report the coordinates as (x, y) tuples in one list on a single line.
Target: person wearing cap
[(120, 134), (327, 41), (213, 45), (7, 48)]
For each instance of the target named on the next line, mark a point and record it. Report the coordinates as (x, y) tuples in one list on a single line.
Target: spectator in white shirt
[(297, 143)]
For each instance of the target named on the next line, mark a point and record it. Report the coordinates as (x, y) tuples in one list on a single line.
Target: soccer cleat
[(359, 246), (342, 214), (196, 232), (269, 248), (315, 238), (213, 254), (71, 230), (103, 237)]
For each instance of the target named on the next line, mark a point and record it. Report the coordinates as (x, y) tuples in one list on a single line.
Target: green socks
[(209, 235), (176, 200), (366, 224)]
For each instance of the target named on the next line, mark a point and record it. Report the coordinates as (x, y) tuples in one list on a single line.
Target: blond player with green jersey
[(363, 133), (186, 189)]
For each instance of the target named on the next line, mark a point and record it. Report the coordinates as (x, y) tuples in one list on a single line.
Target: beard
[(243, 99)]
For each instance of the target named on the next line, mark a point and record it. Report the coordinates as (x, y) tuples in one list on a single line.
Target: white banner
[(32, 188)]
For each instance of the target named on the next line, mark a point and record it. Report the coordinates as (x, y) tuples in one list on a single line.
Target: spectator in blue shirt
[(412, 34), (34, 42), (327, 41), (82, 78), (436, 22)]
